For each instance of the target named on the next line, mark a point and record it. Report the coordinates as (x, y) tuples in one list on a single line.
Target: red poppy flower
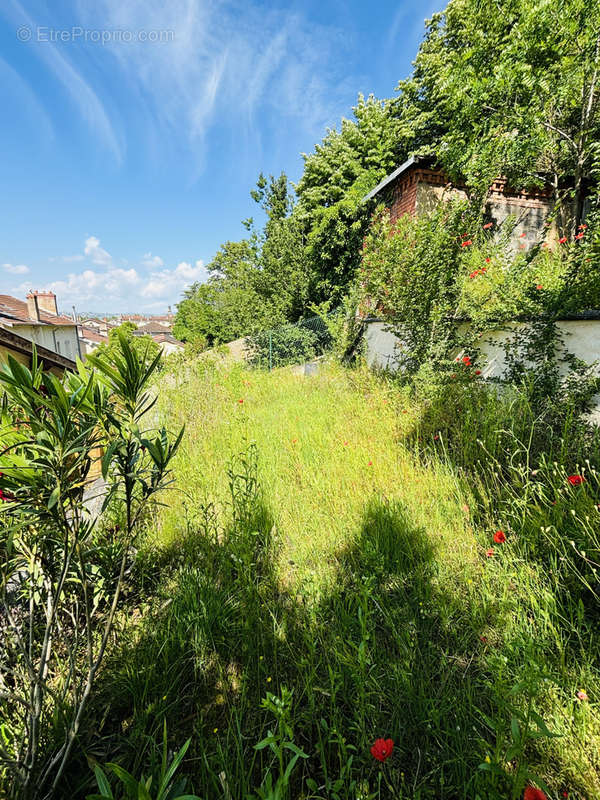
[(522, 236), (576, 480), (382, 749), (294, 441), (487, 226), (241, 400), (531, 793), (345, 444), (467, 243), (483, 270), (488, 259), (582, 227), (564, 793), (562, 240), (579, 235), (436, 437), (466, 360), (477, 372), (473, 274), (499, 537), (539, 286), (370, 464), (489, 552)]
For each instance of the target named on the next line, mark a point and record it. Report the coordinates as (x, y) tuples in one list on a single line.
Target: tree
[(510, 87)]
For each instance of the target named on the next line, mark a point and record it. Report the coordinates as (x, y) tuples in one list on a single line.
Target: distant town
[(61, 338)]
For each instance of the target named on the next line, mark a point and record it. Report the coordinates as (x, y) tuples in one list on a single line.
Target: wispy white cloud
[(80, 91), (16, 269), (228, 61)]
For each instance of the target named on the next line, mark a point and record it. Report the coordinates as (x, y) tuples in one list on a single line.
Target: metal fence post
[(270, 350)]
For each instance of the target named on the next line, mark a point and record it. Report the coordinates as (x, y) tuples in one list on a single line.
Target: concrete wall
[(581, 338)]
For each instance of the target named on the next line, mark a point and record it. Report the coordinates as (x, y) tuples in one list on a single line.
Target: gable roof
[(410, 162), (14, 312), (153, 327), (91, 335)]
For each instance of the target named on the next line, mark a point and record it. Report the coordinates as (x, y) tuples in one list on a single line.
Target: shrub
[(59, 587)]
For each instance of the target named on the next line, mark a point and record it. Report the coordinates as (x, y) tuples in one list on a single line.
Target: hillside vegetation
[(318, 573)]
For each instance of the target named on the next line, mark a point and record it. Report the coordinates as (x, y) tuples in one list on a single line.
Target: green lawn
[(304, 546)]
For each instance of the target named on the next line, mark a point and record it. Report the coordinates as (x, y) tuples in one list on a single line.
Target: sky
[(134, 130)]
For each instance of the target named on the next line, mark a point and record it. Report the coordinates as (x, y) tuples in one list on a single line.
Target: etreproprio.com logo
[(103, 36)]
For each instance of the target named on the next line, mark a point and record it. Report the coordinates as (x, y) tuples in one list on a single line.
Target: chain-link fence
[(294, 343)]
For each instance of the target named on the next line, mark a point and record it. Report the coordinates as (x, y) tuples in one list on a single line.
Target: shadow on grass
[(389, 651)]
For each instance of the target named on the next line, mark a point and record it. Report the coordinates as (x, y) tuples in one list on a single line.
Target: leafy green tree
[(510, 87), (337, 175)]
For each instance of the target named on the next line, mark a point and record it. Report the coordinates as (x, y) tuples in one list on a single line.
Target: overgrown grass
[(307, 546)]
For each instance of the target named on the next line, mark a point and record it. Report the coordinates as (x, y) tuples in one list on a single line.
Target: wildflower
[(499, 537), (487, 260), (487, 226), (564, 793), (382, 749), (483, 270), (269, 679), (474, 274), (436, 437), (489, 552), (215, 730), (477, 372), (345, 444), (487, 760), (579, 235), (562, 240), (484, 639), (370, 464), (523, 235), (582, 695), (467, 243), (466, 360), (576, 480), (539, 286), (294, 441), (241, 400), (582, 227), (531, 793)]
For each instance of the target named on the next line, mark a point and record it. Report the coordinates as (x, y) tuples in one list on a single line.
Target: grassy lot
[(307, 552)]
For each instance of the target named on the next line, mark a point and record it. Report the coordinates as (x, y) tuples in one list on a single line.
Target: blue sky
[(126, 162)]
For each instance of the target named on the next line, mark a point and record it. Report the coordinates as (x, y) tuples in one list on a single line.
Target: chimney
[(47, 302), (33, 309)]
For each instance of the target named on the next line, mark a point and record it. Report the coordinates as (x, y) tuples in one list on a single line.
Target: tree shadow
[(390, 650)]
